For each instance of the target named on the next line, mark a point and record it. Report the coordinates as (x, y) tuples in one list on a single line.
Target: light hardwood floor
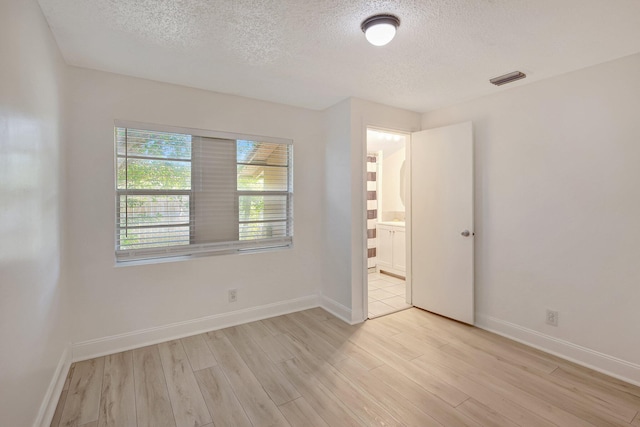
[(410, 368)]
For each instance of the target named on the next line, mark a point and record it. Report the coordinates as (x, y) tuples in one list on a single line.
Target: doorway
[(432, 223), (387, 178)]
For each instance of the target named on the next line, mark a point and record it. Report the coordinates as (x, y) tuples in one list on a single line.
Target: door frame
[(363, 230)]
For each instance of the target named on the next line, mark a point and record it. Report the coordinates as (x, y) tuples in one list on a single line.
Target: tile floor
[(386, 294)]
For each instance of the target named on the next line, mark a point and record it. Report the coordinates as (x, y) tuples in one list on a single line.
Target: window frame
[(161, 254)]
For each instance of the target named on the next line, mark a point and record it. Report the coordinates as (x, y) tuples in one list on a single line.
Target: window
[(185, 192)]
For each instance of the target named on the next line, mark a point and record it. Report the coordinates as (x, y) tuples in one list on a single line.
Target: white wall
[(110, 300), (336, 280), (33, 294), (557, 209)]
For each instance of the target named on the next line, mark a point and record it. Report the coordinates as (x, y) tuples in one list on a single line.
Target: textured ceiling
[(311, 53)]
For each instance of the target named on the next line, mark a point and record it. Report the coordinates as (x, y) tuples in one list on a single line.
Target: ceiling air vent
[(508, 78)]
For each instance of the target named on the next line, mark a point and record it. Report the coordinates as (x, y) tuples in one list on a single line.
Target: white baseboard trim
[(340, 311), (136, 339), (51, 397), (609, 365)]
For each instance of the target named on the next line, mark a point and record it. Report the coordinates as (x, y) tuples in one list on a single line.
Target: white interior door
[(442, 221)]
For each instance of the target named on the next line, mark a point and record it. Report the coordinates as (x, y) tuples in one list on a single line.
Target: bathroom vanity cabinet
[(391, 253)]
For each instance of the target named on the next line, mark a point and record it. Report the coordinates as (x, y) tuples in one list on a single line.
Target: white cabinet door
[(442, 221), (384, 252), (399, 249), (391, 254)]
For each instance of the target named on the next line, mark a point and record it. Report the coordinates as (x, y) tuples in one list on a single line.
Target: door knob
[(465, 233)]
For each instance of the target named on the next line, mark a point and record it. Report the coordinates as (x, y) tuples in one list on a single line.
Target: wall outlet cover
[(552, 317), (233, 295)]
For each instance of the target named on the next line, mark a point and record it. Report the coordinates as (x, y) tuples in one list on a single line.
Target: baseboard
[(51, 397), (136, 339), (340, 311), (609, 365)]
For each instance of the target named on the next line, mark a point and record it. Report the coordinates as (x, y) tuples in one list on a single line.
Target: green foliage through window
[(158, 162)]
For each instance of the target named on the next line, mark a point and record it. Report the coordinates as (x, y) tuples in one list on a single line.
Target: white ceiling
[(312, 53)]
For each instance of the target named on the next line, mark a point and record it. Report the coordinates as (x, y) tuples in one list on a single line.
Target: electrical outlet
[(233, 295), (552, 317)]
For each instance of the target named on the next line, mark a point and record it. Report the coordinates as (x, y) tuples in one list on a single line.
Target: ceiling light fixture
[(380, 29), (507, 78)]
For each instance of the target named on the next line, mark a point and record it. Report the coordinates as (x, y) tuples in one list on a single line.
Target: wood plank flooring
[(410, 368)]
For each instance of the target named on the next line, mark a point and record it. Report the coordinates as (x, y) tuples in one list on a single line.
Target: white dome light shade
[(380, 34), (380, 29)]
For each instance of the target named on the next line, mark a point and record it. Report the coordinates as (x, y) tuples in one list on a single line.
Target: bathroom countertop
[(396, 223)]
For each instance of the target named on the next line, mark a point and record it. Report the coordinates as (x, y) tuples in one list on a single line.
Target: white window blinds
[(185, 192)]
